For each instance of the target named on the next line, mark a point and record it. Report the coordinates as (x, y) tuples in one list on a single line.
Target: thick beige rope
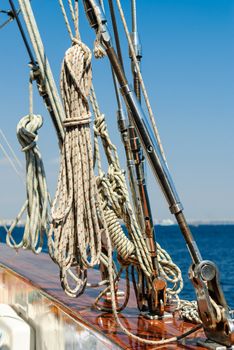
[(75, 234), (116, 204), (74, 96)]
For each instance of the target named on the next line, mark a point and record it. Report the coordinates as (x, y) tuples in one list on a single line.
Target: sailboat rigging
[(84, 228)]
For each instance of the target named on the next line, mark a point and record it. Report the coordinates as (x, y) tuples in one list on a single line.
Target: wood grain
[(39, 272)]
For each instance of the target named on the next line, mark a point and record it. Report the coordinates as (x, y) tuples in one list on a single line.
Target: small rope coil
[(37, 194)]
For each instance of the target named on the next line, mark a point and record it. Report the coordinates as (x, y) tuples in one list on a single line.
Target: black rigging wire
[(10, 15), (16, 17), (116, 33)]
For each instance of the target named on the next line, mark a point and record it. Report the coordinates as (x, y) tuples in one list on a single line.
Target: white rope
[(138, 71), (37, 194), (66, 18), (114, 306), (37, 203), (75, 234), (45, 70), (10, 160), (116, 206), (11, 149), (188, 310), (69, 238), (113, 190)]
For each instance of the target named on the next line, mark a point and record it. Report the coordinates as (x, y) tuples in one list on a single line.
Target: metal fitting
[(136, 45), (176, 208)]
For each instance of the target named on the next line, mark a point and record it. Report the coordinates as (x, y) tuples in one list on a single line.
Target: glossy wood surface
[(28, 271)]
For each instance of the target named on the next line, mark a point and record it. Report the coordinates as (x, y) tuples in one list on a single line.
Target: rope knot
[(99, 50), (27, 131), (100, 126), (75, 41)]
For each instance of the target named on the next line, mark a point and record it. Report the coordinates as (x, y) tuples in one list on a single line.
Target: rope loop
[(27, 131)]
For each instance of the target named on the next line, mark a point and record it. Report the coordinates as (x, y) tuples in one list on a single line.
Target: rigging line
[(122, 125), (32, 59), (49, 93), (76, 20), (6, 22), (115, 312), (117, 94), (15, 14), (10, 19), (66, 19), (137, 48), (102, 5), (74, 14), (72, 10), (11, 149), (41, 56), (139, 157), (145, 94), (11, 162), (116, 34), (117, 41)]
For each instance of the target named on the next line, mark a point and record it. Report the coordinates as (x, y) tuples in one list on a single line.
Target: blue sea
[(216, 243)]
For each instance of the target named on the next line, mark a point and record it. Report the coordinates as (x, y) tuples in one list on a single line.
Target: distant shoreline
[(167, 222)]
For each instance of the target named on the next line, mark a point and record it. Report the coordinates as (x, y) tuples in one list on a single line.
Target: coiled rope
[(70, 200), (76, 230), (37, 194), (116, 204)]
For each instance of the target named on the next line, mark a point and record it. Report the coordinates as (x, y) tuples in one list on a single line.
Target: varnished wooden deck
[(40, 272)]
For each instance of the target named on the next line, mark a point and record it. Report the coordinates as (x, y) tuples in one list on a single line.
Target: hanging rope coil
[(37, 194), (116, 205), (75, 233), (112, 197)]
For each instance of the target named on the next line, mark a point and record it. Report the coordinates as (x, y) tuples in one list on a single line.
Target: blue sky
[(188, 66)]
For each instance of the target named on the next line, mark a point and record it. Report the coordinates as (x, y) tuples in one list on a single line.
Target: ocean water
[(216, 243)]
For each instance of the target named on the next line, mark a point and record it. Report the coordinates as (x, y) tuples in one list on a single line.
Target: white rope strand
[(45, 70), (144, 91)]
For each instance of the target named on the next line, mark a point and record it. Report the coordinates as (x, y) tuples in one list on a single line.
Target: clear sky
[(188, 60)]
